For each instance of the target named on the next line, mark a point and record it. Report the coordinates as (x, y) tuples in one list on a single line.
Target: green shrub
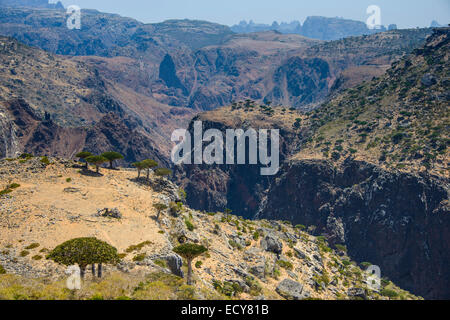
[(139, 257), (24, 253), (235, 245), (45, 160), (137, 247), (389, 293), (285, 264), (189, 225), (2, 270), (341, 247), (160, 263), (37, 257), (198, 264), (32, 246)]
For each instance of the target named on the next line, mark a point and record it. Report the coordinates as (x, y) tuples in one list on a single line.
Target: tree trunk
[(139, 174), (86, 165), (148, 173), (82, 272), (110, 165), (96, 168), (99, 270), (157, 216), (93, 270), (189, 274)]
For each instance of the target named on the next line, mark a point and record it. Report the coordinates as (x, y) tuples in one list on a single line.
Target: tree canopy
[(84, 251), (190, 251), (96, 160), (112, 156), (83, 155)]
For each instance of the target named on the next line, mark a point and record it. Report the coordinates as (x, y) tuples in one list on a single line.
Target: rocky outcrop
[(396, 220), (291, 290)]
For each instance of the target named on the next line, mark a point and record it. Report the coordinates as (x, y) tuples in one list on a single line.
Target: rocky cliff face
[(398, 221), (25, 131)]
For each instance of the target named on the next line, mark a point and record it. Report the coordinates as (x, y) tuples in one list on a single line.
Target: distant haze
[(404, 13)]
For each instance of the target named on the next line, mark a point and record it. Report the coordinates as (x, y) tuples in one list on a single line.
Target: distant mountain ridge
[(315, 27), (31, 4)]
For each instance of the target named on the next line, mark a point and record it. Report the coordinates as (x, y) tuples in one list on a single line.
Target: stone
[(428, 80), (110, 213), (291, 290), (272, 244), (357, 293), (258, 271), (174, 263), (299, 253)]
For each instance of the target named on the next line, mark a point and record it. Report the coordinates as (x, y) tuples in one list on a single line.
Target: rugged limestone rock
[(291, 290), (110, 213), (174, 262), (356, 292), (271, 244)]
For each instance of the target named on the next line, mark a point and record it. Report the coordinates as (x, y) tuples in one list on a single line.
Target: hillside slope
[(53, 105), (246, 259)]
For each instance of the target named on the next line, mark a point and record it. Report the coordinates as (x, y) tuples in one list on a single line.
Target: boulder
[(110, 213), (258, 271), (356, 293), (272, 244), (174, 263), (291, 290), (428, 80)]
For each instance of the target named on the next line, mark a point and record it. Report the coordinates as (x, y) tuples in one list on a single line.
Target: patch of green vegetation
[(341, 247), (24, 253), (161, 263), (9, 188), (139, 257), (235, 245), (391, 294), (32, 246), (285, 264), (138, 247), (189, 225), (45, 160)]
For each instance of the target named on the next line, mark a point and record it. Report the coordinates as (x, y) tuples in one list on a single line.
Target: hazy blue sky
[(404, 13)]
